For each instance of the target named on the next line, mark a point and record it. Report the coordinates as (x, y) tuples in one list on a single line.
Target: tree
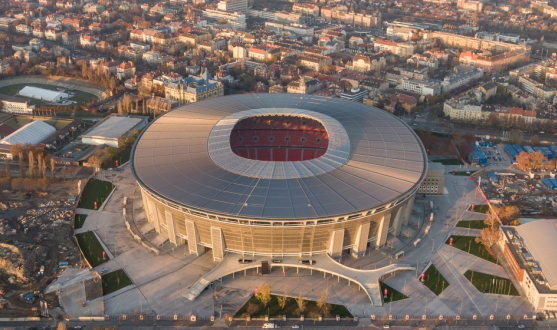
[(508, 213), (282, 299), (536, 160), (516, 136), (61, 326), (21, 165), (8, 172), (264, 294), (31, 165), (490, 234), (322, 304), (223, 21), (252, 309), (523, 161), (314, 316), (95, 161), (534, 140), (301, 304), (52, 163)]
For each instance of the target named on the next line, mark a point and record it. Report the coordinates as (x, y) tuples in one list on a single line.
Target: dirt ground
[(530, 195), (36, 229)]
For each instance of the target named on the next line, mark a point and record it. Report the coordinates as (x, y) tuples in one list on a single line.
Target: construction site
[(36, 243)]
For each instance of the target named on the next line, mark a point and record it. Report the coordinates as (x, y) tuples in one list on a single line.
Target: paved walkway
[(367, 279)]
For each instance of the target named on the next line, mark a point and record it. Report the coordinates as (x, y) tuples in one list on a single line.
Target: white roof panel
[(33, 133), (114, 127)]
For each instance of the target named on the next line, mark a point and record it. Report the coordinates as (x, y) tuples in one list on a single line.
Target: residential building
[(125, 70), (234, 6), (422, 87), (307, 9), (537, 89), (315, 62), (303, 86), (461, 76), (24, 29), (397, 48), (193, 89), (461, 111), (354, 94), (489, 90)]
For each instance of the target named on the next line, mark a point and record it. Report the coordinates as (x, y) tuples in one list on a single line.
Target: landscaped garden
[(115, 281), (479, 208), (79, 219), (491, 284), (434, 281), (392, 294), (472, 224), (468, 244), (95, 191), (91, 248)]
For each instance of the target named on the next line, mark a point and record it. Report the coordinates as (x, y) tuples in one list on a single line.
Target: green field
[(123, 157), (472, 224), (434, 280), (92, 249), (480, 208), (95, 191), (468, 244), (17, 122), (81, 98), (452, 161), (491, 284), (274, 310), (115, 281), (392, 294), (79, 220)]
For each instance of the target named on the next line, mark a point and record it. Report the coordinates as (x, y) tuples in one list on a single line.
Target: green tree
[(264, 294)]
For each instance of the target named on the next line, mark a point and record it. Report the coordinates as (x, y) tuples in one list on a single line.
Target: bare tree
[(252, 309), (322, 304), (52, 163), (301, 304), (31, 165), (8, 172), (21, 165), (61, 326), (282, 299)]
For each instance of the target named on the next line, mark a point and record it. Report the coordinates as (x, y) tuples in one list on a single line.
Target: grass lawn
[(290, 308), (491, 284), (472, 224), (79, 220), (434, 280), (123, 157), (115, 281), (92, 249), (480, 208), (392, 294), (81, 98), (95, 190), (463, 173), (468, 244), (452, 161)]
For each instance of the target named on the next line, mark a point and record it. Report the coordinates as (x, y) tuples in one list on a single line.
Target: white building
[(421, 87), (462, 75), (43, 94), (530, 251), (113, 127), (13, 104), (33, 133), (234, 6)]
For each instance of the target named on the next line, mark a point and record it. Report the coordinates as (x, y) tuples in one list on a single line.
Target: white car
[(522, 326), (296, 327)]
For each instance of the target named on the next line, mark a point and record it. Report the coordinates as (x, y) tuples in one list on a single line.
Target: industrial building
[(110, 129), (278, 175), (43, 94), (33, 133), (529, 250)]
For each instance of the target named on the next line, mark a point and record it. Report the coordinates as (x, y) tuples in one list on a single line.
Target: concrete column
[(383, 230), (397, 224), (408, 211), (217, 242), (172, 229), (362, 236), (146, 206), (193, 239), (337, 242), (155, 216)]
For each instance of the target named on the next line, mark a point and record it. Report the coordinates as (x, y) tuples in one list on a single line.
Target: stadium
[(278, 175)]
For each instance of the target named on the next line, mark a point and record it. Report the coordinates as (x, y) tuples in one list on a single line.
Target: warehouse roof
[(114, 127), (41, 93), (373, 160), (540, 238), (33, 133)]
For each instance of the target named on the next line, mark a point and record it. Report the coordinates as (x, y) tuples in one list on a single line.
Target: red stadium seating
[(279, 154)]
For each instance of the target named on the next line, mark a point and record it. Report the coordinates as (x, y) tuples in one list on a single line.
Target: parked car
[(277, 261), (245, 261), (307, 262)]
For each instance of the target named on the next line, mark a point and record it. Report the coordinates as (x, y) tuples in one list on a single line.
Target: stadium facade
[(278, 175)]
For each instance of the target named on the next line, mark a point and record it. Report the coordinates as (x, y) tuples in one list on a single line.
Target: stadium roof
[(380, 162), (114, 127), (540, 238), (33, 133)]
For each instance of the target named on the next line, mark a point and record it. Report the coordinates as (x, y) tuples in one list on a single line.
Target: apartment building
[(461, 76), (422, 87), (234, 6)]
